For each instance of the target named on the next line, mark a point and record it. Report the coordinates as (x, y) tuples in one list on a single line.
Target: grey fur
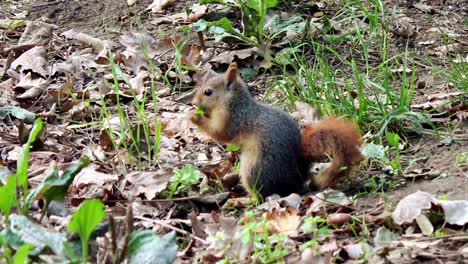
[(278, 171)]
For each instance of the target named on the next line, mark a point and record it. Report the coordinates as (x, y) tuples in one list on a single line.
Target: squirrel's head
[(214, 89)]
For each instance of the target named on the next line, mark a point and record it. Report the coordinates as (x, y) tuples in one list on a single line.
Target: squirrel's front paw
[(196, 116)]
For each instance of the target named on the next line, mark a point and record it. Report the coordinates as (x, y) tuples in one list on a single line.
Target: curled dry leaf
[(456, 212), (34, 87), (411, 206), (37, 33), (101, 46), (33, 60), (338, 219)]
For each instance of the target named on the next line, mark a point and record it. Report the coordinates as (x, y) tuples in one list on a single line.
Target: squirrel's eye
[(208, 92)]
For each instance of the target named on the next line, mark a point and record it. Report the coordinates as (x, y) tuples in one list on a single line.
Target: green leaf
[(199, 26), (18, 112), (84, 221), (23, 156), (12, 24), (337, 197), (393, 139), (8, 198), (372, 150), (147, 247), (55, 188), (21, 255), (199, 111), (232, 148), (22, 230), (53, 173), (189, 175), (257, 5)]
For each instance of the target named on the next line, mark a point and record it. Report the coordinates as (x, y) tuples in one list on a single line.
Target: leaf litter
[(70, 72)]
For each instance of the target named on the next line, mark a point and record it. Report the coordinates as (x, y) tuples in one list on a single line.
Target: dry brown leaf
[(102, 47), (285, 221), (90, 176), (338, 219), (147, 183), (37, 33), (227, 57), (34, 87), (138, 84), (197, 12), (34, 60), (159, 5)]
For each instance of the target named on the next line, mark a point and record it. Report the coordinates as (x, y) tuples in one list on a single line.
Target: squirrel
[(275, 154)]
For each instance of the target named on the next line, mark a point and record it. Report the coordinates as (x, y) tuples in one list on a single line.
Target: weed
[(267, 248), (316, 226), (182, 180)]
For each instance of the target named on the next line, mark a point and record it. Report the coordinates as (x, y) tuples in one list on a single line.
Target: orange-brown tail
[(333, 137)]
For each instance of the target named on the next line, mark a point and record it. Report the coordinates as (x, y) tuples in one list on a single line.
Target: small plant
[(85, 220), (316, 226), (8, 197), (267, 248), (253, 13), (182, 180), (394, 140)]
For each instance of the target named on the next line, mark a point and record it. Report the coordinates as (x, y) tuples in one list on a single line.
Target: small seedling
[(85, 220), (8, 197), (394, 140), (183, 179)]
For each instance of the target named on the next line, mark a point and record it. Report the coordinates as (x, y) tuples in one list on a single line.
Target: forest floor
[(127, 113)]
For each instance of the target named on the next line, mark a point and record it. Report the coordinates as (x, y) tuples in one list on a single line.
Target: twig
[(113, 238), (128, 232), (161, 223)]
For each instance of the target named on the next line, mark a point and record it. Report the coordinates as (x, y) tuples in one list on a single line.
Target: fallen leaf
[(456, 212), (384, 236), (284, 221), (228, 57), (34, 87), (37, 33), (356, 251), (411, 206), (33, 60), (148, 183), (159, 5), (424, 224), (338, 219)]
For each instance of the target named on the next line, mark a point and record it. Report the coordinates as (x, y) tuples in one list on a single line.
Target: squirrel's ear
[(230, 78)]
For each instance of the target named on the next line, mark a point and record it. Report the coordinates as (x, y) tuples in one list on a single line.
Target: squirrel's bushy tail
[(335, 138)]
